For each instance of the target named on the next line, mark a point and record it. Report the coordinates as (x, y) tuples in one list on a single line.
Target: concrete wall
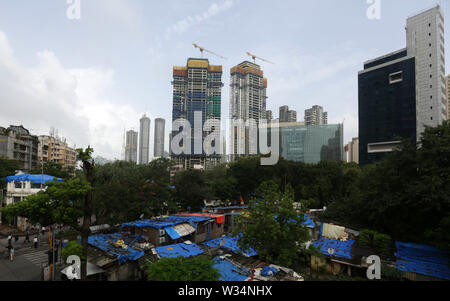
[(215, 231), (127, 271)]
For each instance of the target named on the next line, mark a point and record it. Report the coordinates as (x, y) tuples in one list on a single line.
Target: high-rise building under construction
[(197, 87), (131, 146), (247, 102)]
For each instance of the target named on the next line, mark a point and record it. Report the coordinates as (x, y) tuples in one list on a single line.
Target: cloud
[(190, 21), (327, 77), (71, 100), (123, 12)]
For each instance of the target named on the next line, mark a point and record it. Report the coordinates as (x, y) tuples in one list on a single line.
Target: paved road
[(27, 260), (37, 256)]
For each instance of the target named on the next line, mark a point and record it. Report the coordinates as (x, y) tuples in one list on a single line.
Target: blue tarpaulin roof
[(230, 244), (101, 241), (268, 271), (37, 179), (179, 250), (172, 233), (341, 248), (227, 270), (308, 222), (159, 223), (422, 259)]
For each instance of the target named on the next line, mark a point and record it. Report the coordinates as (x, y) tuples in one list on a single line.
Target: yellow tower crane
[(254, 57), (202, 49)]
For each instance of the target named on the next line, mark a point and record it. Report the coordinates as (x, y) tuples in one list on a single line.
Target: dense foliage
[(7, 168), (72, 248), (183, 269), (272, 226), (123, 191), (55, 170), (61, 203), (407, 194)]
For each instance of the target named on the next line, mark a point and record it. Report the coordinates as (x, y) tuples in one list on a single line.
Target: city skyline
[(92, 94)]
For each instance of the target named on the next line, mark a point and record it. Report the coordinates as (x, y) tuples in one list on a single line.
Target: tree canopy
[(61, 203), (54, 169), (406, 195), (7, 168), (123, 191), (182, 269), (272, 226)]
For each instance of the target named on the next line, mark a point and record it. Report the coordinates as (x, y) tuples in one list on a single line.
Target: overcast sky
[(93, 77)]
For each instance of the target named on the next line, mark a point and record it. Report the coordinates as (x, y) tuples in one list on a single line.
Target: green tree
[(221, 183), (72, 248), (55, 170), (272, 227), (191, 189), (406, 194), (85, 156), (123, 191), (7, 168), (61, 203), (183, 269)]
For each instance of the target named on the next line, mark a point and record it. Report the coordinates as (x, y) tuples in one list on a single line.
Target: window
[(396, 77), (35, 185), (18, 185), (383, 147), (17, 199)]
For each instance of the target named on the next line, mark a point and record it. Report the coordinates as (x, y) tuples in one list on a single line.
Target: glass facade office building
[(387, 105), (312, 143)]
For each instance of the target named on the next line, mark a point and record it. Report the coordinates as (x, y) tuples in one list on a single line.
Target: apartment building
[(56, 150)]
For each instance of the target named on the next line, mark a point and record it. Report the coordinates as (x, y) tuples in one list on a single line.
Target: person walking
[(16, 238), (35, 241), (8, 252), (27, 237), (11, 253), (9, 240)]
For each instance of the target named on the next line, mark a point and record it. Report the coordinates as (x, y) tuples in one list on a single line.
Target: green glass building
[(312, 143)]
